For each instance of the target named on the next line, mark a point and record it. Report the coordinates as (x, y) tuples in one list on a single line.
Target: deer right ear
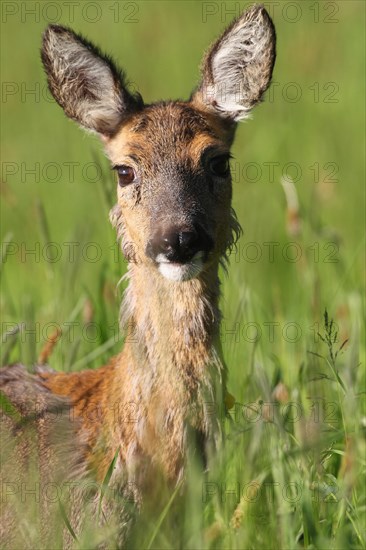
[(238, 67), (85, 83)]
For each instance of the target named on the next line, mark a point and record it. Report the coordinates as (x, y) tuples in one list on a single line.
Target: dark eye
[(220, 166), (126, 174)]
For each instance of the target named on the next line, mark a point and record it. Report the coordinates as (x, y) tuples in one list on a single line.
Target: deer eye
[(220, 166), (126, 175)]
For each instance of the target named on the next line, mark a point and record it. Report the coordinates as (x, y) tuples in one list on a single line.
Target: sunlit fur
[(170, 371)]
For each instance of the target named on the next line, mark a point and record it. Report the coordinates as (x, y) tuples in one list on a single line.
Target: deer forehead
[(169, 131)]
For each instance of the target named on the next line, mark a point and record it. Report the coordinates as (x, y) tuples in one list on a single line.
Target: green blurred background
[(311, 127)]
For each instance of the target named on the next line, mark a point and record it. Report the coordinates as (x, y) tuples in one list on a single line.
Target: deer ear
[(238, 67), (85, 83)]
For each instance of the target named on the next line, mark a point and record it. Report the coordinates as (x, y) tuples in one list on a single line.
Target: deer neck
[(169, 368), (172, 327)]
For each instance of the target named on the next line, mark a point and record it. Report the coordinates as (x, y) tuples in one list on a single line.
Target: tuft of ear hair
[(85, 83), (237, 69)]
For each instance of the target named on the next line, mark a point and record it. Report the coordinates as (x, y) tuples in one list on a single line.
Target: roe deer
[(176, 225)]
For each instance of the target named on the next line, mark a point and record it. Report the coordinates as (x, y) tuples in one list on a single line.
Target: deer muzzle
[(180, 252)]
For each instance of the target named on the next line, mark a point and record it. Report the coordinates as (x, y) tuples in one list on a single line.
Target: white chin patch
[(180, 272)]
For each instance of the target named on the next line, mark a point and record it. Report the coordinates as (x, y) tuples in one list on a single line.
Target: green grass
[(294, 454)]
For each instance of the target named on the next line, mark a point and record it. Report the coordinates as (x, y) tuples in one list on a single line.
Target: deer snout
[(178, 245), (179, 252)]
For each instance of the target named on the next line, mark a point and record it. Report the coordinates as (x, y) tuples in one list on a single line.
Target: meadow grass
[(291, 473)]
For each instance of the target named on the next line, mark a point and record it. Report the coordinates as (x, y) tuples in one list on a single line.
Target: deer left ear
[(237, 69)]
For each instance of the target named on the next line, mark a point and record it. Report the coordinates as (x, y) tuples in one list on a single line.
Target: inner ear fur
[(237, 69), (85, 82)]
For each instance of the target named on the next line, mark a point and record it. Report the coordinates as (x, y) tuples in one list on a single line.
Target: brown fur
[(169, 381)]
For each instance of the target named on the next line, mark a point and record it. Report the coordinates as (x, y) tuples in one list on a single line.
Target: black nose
[(178, 245)]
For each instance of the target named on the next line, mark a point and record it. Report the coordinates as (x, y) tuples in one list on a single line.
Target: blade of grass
[(106, 479), (66, 520), (163, 516)]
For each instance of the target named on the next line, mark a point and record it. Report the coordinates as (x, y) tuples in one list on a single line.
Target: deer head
[(172, 158)]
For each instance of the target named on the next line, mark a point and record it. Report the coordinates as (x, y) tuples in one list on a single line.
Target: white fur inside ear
[(230, 65), (227, 100), (240, 65), (83, 83)]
